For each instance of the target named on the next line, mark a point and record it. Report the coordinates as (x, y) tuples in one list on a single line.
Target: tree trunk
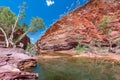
[(5, 35), (23, 35), (13, 30)]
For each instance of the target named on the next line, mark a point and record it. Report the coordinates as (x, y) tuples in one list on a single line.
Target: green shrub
[(106, 28), (104, 24), (80, 48), (29, 47)]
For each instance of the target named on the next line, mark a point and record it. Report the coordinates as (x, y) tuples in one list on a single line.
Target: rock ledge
[(13, 62)]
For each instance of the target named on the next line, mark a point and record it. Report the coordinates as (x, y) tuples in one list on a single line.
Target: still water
[(68, 68)]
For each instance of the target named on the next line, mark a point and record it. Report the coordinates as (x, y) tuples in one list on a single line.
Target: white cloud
[(49, 2)]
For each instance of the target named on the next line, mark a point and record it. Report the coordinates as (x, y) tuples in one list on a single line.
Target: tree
[(19, 17), (10, 23), (106, 29), (7, 19), (35, 24)]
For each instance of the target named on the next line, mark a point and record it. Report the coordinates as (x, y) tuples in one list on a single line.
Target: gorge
[(84, 44)]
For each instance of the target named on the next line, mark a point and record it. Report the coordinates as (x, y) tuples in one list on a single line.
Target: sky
[(49, 10)]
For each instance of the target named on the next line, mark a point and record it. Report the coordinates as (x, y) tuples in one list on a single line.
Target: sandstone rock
[(26, 64), (12, 60), (81, 26), (18, 76)]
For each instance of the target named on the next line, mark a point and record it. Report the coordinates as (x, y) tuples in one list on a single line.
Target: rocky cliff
[(83, 26)]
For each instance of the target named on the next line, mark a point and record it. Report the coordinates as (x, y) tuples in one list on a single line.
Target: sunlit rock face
[(82, 26)]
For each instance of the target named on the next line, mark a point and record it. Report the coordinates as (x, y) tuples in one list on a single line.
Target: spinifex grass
[(79, 69)]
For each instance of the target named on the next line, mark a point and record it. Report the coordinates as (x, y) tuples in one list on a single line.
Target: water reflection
[(78, 69)]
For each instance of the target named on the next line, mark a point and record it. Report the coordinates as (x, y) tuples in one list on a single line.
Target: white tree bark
[(5, 35), (13, 30), (21, 37)]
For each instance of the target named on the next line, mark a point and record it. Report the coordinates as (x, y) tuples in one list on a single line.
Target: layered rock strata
[(13, 63), (82, 26)]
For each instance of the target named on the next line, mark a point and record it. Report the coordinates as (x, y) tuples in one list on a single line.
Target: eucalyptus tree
[(10, 23), (7, 19), (16, 25), (35, 24)]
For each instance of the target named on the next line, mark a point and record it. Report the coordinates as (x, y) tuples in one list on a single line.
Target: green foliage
[(10, 23), (7, 16), (104, 21), (103, 24), (106, 28), (35, 24), (22, 10), (80, 48), (24, 26), (29, 47), (7, 19)]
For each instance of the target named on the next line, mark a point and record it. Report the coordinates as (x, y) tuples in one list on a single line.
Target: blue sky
[(48, 10)]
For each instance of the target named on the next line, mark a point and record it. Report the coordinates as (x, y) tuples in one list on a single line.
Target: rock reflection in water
[(78, 69)]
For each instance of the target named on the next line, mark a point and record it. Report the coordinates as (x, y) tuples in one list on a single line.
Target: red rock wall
[(82, 22)]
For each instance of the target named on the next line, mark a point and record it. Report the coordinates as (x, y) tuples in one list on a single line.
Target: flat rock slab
[(12, 61), (17, 76)]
